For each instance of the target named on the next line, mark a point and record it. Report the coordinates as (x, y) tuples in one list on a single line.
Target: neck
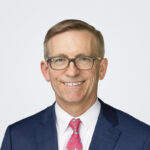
[(76, 109)]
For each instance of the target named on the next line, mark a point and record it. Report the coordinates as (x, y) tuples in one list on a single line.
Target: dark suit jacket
[(115, 130)]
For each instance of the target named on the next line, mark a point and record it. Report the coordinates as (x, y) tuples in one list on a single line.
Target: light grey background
[(125, 25)]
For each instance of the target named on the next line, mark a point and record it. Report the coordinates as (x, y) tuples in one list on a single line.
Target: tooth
[(73, 84)]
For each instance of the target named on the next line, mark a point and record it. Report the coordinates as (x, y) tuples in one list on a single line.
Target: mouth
[(73, 84)]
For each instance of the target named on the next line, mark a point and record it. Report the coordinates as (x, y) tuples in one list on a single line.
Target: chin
[(73, 100)]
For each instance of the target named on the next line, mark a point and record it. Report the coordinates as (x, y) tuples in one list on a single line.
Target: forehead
[(72, 43)]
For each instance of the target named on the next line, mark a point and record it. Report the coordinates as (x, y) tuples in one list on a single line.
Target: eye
[(84, 59), (60, 59)]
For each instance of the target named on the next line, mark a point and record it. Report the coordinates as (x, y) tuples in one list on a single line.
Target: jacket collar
[(46, 133), (105, 135)]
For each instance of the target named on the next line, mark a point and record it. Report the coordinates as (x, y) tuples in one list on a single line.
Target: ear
[(45, 70), (103, 68)]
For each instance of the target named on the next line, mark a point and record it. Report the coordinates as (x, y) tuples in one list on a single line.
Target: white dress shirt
[(86, 129)]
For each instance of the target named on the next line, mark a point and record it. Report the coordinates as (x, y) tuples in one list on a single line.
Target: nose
[(72, 70)]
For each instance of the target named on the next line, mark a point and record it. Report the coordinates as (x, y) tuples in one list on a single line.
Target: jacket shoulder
[(126, 120), (31, 122), (132, 129), (129, 126)]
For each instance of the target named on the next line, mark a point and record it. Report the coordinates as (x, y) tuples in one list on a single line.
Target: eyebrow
[(63, 55)]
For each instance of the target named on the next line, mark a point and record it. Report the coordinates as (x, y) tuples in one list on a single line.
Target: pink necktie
[(74, 142)]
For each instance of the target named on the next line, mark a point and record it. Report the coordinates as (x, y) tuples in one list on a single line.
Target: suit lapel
[(106, 134), (46, 133)]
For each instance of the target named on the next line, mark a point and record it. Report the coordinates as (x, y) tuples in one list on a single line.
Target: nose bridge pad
[(73, 60)]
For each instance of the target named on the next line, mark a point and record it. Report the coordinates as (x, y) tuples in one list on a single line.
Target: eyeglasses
[(82, 62)]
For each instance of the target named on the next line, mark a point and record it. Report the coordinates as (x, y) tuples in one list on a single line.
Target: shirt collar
[(62, 118), (88, 118)]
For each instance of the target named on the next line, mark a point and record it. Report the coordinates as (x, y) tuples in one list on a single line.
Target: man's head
[(74, 64), (67, 25)]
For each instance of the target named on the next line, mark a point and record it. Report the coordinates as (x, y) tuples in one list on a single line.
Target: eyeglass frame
[(48, 60)]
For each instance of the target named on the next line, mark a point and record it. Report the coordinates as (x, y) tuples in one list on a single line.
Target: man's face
[(72, 44)]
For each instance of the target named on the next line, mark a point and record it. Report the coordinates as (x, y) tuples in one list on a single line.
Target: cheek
[(94, 82), (55, 75), (94, 75), (53, 80), (93, 78)]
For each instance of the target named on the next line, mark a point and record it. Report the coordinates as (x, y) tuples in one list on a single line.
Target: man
[(78, 120)]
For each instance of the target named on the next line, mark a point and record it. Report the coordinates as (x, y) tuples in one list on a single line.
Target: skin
[(74, 99)]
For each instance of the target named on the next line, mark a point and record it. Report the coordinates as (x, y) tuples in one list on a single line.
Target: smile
[(73, 83)]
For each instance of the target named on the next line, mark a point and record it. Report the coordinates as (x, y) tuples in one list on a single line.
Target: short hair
[(73, 24)]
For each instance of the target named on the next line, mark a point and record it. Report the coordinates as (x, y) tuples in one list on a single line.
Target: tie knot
[(74, 124)]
